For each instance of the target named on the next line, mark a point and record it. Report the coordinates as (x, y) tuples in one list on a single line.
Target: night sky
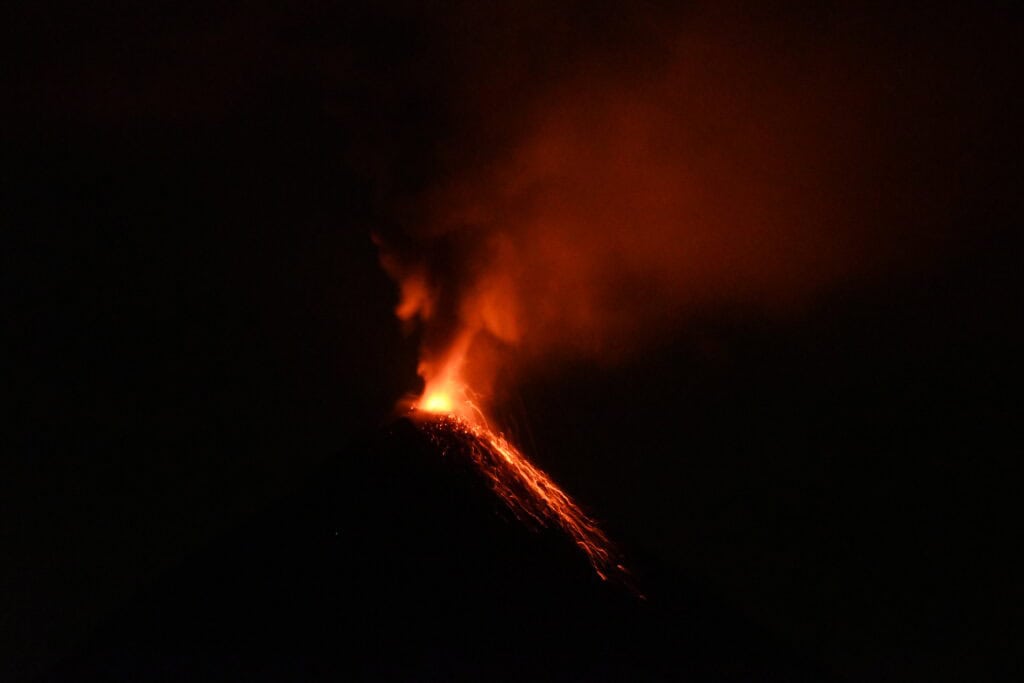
[(196, 318)]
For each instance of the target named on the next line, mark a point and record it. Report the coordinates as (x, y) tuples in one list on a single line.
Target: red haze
[(590, 209)]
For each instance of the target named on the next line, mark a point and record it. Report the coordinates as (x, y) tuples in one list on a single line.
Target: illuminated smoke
[(620, 203), (601, 184)]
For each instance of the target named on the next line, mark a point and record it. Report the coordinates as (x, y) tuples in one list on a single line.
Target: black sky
[(196, 318)]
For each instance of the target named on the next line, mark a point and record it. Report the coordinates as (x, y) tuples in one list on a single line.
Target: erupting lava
[(440, 403), (449, 412), (530, 493)]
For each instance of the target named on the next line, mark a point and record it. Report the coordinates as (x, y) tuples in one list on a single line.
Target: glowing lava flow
[(526, 490)]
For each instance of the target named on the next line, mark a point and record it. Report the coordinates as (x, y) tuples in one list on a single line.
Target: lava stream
[(528, 492)]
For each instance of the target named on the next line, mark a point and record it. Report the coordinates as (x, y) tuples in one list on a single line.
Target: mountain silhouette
[(398, 563)]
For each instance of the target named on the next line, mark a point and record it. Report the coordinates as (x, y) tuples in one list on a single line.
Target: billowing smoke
[(595, 198)]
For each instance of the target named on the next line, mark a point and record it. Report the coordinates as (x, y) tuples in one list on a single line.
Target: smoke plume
[(595, 194)]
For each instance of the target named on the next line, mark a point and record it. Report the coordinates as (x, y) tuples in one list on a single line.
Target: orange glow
[(439, 403)]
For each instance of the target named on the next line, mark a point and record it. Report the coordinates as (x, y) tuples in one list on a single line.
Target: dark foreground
[(397, 563)]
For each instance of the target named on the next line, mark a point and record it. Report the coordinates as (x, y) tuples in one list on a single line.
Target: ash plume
[(606, 178)]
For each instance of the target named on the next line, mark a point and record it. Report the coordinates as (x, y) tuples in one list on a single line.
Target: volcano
[(397, 562)]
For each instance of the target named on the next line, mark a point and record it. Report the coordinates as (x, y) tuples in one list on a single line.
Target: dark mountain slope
[(398, 563)]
